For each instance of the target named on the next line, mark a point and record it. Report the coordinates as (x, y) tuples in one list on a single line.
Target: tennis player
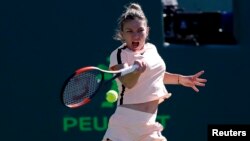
[(141, 91)]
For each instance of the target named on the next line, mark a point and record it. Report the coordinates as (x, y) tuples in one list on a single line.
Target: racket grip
[(129, 69)]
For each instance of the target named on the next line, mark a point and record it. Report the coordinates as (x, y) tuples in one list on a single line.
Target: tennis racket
[(86, 82)]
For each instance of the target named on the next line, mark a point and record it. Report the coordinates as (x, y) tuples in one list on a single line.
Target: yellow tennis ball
[(111, 96)]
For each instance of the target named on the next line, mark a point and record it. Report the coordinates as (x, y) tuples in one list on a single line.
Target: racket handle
[(129, 69)]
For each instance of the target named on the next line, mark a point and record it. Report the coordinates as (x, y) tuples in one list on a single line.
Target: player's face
[(135, 33)]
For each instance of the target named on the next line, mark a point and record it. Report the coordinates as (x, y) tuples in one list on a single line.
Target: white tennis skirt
[(132, 125)]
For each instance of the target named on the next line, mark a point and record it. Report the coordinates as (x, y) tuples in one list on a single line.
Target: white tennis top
[(150, 85)]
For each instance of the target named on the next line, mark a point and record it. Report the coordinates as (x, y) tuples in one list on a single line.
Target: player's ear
[(148, 28), (121, 36)]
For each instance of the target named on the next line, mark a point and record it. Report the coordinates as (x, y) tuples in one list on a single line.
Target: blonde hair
[(132, 11)]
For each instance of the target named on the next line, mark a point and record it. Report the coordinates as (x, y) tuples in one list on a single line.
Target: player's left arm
[(188, 81)]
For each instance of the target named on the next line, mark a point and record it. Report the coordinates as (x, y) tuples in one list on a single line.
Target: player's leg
[(117, 130), (147, 129)]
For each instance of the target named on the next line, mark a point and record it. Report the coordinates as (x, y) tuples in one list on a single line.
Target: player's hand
[(141, 66), (193, 81)]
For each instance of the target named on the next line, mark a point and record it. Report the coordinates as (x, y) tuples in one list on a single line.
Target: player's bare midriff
[(148, 107)]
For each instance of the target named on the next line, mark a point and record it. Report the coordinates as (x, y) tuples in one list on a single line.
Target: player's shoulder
[(114, 52), (123, 46), (150, 46)]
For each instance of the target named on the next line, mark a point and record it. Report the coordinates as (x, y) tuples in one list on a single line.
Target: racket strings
[(81, 86)]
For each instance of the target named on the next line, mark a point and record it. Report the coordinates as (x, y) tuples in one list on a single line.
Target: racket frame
[(117, 73)]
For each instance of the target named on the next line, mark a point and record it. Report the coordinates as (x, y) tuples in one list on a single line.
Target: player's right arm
[(130, 79)]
